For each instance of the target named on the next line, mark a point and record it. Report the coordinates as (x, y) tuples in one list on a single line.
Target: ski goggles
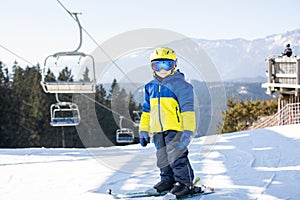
[(163, 64)]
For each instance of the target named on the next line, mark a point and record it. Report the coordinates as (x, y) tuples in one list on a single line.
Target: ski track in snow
[(249, 156), (260, 165)]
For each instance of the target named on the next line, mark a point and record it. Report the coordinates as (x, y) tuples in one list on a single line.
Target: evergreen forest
[(25, 112)]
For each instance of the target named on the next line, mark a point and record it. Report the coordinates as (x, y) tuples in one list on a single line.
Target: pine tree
[(20, 132), (65, 75), (86, 75), (32, 104), (6, 117), (240, 115), (49, 76)]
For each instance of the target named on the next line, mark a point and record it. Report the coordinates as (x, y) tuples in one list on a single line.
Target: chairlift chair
[(124, 135), (76, 86), (64, 114), (58, 61)]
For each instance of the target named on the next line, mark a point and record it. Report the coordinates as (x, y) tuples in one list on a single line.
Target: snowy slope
[(260, 164)]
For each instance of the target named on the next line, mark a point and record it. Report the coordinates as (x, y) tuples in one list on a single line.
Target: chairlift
[(82, 83), (64, 114), (124, 135), (67, 113)]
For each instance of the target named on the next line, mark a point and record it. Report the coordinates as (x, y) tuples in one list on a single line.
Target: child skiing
[(168, 114)]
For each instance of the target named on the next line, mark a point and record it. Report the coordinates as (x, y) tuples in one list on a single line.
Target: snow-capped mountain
[(239, 58)]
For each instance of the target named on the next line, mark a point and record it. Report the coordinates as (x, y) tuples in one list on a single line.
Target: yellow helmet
[(163, 53)]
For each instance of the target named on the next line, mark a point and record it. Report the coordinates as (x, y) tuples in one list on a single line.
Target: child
[(168, 114)]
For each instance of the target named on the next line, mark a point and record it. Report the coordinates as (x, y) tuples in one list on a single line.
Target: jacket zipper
[(178, 120), (159, 117)]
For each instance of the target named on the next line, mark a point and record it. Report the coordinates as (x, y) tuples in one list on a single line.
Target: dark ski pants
[(172, 161)]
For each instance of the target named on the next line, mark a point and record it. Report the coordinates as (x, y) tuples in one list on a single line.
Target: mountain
[(237, 58)]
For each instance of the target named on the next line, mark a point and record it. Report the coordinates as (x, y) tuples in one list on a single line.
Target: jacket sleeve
[(145, 117), (185, 97)]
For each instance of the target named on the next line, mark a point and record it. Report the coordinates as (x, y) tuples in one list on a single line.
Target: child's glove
[(185, 139), (144, 138)]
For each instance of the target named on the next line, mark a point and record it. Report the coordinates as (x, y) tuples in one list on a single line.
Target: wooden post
[(63, 144)]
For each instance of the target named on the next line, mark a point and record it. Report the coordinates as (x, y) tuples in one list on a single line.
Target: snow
[(260, 164)]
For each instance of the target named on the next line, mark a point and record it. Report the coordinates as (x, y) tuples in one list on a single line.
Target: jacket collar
[(176, 75)]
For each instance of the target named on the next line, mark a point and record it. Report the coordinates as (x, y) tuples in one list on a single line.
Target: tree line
[(242, 114), (25, 111)]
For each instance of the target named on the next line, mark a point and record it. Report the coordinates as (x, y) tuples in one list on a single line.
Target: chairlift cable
[(104, 106), (10, 51)]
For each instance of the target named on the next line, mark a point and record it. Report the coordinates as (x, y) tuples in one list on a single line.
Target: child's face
[(163, 73)]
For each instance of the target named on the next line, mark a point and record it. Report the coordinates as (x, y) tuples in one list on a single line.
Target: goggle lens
[(163, 64)]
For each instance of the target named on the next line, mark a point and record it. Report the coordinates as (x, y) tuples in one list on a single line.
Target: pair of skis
[(197, 191)]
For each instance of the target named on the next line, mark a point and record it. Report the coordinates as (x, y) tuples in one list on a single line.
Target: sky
[(255, 164), (34, 29)]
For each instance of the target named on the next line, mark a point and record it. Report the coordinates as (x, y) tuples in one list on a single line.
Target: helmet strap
[(173, 71)]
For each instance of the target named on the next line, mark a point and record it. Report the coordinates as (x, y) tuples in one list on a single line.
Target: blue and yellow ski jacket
[(168, 105)]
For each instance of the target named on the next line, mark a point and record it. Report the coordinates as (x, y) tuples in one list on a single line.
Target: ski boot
[(181, 189), (163, 186)]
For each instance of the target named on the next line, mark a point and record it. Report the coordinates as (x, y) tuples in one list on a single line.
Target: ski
[(198, 190), (170, 196), (148, 193)]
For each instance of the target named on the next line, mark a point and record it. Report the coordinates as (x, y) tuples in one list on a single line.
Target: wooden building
[(283, 78)]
